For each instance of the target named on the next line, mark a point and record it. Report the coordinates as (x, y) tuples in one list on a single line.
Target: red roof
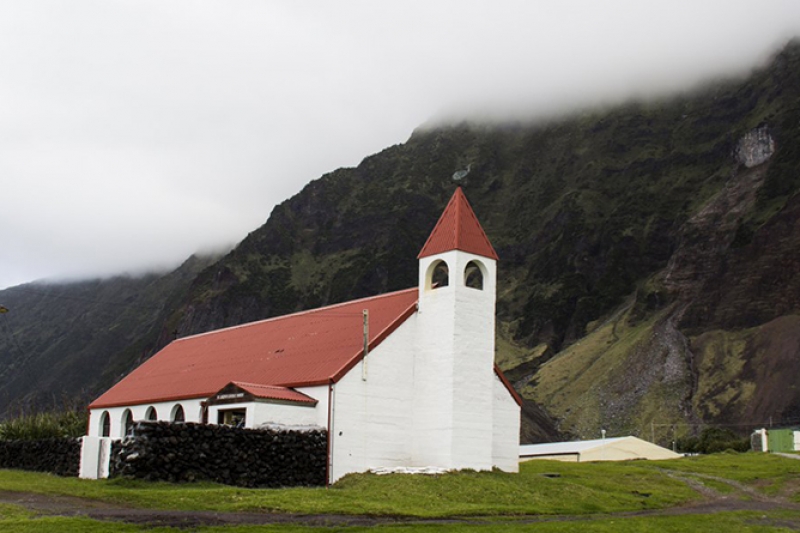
[(458, 229), (316, 347), (271, 392), (304, 349)]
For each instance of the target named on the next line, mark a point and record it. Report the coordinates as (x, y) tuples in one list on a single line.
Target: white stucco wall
[(191, 408), (282, 413), (319, 393), (258, 413), (372, 419), (505, 433), (454, 369), (95, 457), (433, 379)]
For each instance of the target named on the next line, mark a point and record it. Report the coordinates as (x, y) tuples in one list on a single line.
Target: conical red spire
[(458, 229)]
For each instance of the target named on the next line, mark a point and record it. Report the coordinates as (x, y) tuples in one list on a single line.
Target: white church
[(404, 379)]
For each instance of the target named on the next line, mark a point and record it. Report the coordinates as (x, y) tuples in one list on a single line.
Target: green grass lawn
[(542, 487), (768, 473), (587, 492)]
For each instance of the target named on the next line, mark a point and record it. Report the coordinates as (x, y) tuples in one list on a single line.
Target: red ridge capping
[(458, 229)]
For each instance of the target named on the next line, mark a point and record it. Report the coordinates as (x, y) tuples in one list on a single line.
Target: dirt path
[(741, 498), (49, 505)]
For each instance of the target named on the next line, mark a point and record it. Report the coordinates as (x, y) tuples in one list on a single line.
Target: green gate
[(780, 440)]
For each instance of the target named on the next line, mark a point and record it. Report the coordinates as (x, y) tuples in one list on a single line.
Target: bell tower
[(454, 366)]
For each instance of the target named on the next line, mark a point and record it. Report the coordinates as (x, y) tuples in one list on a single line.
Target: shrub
[(53, 424), (713, 440)]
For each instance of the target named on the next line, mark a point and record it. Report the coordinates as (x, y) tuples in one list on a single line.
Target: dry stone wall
[(57, 456), (245, 457)]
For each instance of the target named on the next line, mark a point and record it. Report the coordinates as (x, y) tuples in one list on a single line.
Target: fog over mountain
[(134, 134)]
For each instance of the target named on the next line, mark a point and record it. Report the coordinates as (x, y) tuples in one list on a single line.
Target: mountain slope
[(655, 213), (647, 252), (720, 342), (67, 342)]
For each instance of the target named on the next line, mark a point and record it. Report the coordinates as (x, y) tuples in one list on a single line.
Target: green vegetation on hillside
[(73, 340)]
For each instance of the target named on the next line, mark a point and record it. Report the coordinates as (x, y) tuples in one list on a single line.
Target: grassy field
[(545, 496), (540, 488), (771, 475), (728, 522)]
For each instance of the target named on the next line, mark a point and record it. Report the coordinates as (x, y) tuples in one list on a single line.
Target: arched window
[(127, 423), (151, 414), (105, 424), (473, 276), (440, 276), (178, 414)]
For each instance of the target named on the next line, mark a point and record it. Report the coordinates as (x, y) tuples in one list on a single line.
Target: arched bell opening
[(473, 275), (438, 275), (152, 414)]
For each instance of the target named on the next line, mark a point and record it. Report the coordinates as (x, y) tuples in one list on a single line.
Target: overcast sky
[(134, 133)]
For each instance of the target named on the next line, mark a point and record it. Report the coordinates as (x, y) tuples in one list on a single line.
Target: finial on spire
[(461, 174)]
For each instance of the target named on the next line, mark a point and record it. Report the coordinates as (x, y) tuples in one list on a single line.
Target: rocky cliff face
[(755, 148), (712, 338), (705, 240)]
